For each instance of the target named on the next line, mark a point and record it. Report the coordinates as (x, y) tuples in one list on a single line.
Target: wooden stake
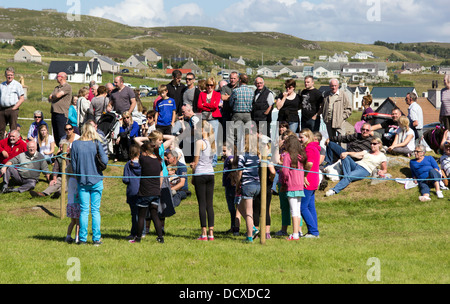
[(262, 216)]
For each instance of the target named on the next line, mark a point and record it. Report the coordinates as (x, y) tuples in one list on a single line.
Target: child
[(165, 111), (292, 180), (149, 189), (150, 125), (230, 183), (131, 170), (174, 179), (73, 205)]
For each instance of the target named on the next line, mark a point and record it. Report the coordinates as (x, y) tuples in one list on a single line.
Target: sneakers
[(255, 232), (160, 240), (439, 194), (135, 240), (424, 198), (97, 243), (68, 239), (330, 193), (292, 238), (248, 240), (281, 233), (310, 236), (210, 238), (202, 238)]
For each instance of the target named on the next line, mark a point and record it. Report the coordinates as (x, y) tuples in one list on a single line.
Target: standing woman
[(308, 205), (90, 180), (46, 143), (288, 105), (202, 167), (128, 130)]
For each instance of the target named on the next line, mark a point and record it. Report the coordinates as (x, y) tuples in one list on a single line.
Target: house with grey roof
[(365, 71), (380, 94), (137, 62), (6, 37), (327, 69), (152, 55), (77, 71), (190, 64), (107, 64)]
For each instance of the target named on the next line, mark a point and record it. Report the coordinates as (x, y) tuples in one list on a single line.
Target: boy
[(165, 111)]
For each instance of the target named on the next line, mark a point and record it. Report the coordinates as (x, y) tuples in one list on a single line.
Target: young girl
[(292, 180), (149, 189), (204, 183), (404, 140), (46, 143), (250, 183), (308, 207), (230, 183), (131, 170)]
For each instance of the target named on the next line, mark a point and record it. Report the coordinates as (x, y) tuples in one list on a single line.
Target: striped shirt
[(445, 99), (241, 99), (10, 93), (250, 165)]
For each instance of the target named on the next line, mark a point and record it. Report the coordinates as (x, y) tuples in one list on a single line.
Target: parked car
[(153, 92), (144, 87), (129, 85), (125, 71)]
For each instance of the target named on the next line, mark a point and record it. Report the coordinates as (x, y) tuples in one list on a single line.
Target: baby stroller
[(108, 123)]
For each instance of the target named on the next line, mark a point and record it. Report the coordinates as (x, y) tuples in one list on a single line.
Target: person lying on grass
[(357, 170)]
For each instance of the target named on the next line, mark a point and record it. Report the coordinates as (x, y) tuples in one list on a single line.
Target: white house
[(327, 69), (365, 71), (136, 61), (239, 60), (107, 64), (77, 71), (27, 53), (358, 93), (274, 71), (152, 55), (296, 62), (338, 58), (91, 53), (7, 38)]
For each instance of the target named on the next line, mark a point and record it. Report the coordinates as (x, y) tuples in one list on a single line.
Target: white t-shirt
[(371, 161), (47, 147), (402, 135), (445, 164)]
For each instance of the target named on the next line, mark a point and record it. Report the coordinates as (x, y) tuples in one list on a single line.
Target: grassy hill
[(52, 32)]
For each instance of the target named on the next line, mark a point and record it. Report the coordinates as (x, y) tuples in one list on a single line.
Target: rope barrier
[(18, 166)]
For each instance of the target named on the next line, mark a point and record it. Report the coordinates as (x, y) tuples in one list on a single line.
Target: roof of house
[(6, 35), (154, 51), (69, 67), (107, 60), (31, 50), (329, 66), (430, 113), (385, 92)]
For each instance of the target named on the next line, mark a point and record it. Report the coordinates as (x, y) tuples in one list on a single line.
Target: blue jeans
[(352, 172), (424, 186), (308, 210), (293, 126), (334, 152), (90, 196), (250, 190), (312, 124)]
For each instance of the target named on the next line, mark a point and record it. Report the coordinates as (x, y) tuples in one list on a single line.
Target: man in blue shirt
[(11, 97), (165, 111)]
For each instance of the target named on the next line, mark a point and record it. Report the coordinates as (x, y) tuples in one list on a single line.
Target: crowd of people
[(187, 126)]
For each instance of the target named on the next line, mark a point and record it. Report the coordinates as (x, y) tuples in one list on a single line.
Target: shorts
[(146, 201), (250, 190), (73, 210)]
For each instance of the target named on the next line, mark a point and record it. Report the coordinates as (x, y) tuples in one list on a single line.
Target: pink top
[(313, 156), (292, 179)]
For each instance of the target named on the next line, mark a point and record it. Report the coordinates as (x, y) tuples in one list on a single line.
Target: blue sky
[(362, 21)]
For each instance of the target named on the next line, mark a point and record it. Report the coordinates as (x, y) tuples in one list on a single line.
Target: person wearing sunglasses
[(425, 167), (357, 170), (356, 142), (34, 127)]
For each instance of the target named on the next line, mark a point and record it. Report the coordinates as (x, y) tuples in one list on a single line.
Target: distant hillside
[(52, 32)]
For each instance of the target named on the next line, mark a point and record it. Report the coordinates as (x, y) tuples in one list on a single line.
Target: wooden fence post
[(62, 198)]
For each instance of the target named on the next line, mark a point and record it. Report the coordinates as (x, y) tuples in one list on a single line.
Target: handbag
[(98, 160)]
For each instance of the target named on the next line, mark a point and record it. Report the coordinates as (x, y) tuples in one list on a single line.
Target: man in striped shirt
[(444, 116), (11, 97)]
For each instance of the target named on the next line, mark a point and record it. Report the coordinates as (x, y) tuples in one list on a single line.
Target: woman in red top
[(208, 105)]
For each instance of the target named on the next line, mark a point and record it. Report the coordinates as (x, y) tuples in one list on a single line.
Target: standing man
[(311, 101), (241, 101), (11, 97), (263, 101), (415, 115), (190, 92), (122, 97), (176, 89), (336, 109), (61, 99), (226, 91)]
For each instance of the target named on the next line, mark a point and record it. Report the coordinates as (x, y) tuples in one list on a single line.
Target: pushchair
[(108, 123)]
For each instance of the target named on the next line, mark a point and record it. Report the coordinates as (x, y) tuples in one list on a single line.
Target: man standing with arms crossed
[(61, 99), (11, 97), (312, 100)]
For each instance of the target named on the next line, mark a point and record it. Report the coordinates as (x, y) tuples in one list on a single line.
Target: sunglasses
[(37, 116), (209, 85), (365, 129), (189, 79), (374, 144), (68, 129), (415, 151)]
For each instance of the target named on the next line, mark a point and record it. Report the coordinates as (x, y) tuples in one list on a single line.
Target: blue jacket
[(83, 162), (132, 169)]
